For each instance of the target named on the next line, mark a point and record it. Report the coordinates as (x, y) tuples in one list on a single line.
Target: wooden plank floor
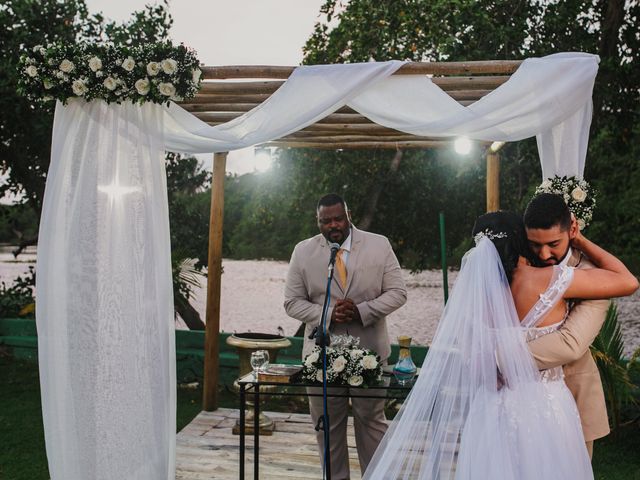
[(207, 449)]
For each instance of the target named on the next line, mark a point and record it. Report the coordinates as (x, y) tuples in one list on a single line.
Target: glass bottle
[(404, 370)]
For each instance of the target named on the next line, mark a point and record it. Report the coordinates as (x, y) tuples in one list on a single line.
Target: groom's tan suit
[(569, 346), (375, 284)]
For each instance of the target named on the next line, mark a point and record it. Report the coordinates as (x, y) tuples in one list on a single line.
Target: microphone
[(334, 251)]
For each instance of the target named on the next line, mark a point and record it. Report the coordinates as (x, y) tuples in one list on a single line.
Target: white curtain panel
[(105, 305)]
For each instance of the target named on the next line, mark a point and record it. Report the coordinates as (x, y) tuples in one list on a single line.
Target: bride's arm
[(610, 279)]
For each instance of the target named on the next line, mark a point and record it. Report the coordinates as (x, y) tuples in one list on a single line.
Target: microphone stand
[(323, 340)]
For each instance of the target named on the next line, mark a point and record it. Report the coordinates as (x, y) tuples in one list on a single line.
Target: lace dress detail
[(560, 281)]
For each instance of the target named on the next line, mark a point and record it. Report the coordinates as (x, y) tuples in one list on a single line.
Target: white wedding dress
[(480, 409)]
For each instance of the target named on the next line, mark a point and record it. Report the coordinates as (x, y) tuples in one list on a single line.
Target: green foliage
[(607, 350), (17, 223), (17, 299)]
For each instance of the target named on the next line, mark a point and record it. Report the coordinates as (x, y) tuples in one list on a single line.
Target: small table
[(249, 384)]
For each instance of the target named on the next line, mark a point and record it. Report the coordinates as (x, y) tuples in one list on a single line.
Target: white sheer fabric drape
[(549, 98), (105, 306)]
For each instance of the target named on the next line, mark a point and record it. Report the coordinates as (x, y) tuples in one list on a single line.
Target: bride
[(480, 409)]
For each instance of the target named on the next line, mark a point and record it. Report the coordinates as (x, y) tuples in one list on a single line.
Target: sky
[(233, 32)]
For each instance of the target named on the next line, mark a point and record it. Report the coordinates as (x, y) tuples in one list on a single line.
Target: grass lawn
[(22, 456)]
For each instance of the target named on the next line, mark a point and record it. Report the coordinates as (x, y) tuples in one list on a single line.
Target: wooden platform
[(207, 449)]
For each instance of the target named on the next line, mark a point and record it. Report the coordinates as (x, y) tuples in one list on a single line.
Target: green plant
[(18, 300), (607, 350)]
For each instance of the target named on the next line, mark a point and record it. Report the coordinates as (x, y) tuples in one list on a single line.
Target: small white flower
[(59, 74), (110, 83), (31, 71), (42, 51), (52, 62), (129, 64), (169, 66), (167, 89), (355, 380), (37, 48), (47, 84), (319, 376), (66, 66), (339, 364), (79, 87), (579, 195), (153, 68), (47, 98), (369, 362), (142, 86), (581, 224), (99, 74), (356, 353), (195, 75), (546, 184), (566, 197), (95, 64)]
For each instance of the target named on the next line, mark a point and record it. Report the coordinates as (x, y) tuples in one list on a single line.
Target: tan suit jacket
[(374, 283), (569, 346)]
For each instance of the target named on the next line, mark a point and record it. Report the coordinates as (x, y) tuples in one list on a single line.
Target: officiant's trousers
[(369, 425)]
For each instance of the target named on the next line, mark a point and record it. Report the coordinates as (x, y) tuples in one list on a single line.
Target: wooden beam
[(493, 181), (214, 274), (264, 86), (371, 145), (412, 68)]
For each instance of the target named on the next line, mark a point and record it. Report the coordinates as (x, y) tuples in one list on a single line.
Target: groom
[(552, 233)]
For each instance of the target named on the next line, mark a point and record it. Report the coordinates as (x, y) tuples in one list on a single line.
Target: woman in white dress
[(480, 409)]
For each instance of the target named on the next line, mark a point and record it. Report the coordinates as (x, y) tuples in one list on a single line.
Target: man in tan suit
[(372, 289), (552, 232)]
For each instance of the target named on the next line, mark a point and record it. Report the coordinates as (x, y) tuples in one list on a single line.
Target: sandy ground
[(252, 296)]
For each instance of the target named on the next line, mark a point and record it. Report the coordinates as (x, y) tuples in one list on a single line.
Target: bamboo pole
[(493, 181), (214, 274), (413, 68)]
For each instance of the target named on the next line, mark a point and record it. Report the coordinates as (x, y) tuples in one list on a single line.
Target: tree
[(25, 130)]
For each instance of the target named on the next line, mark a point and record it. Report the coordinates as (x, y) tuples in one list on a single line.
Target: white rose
[(110, 83), (31, 71), (369, 362), (579, 195), (355, 380), (311, 359), (95, 64), (79, 87), (319, 375), (195, 75), (169, 66), (356, 353), (581, 224), (167, 89), (47, 84), (66, 66), (142, 86), (42, 51), (153, 68), (129, 64), (339, 364), (546, 184)]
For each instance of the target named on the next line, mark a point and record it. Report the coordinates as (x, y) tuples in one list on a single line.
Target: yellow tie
[(341, 268)]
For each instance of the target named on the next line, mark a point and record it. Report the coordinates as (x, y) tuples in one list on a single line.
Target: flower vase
[(404, 370)]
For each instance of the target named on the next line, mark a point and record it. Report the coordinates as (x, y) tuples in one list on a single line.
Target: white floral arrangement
[(579, 196), (347, 364), (156, 73)]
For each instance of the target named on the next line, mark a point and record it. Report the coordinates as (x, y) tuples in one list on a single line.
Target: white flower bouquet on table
[(156, 73), (347, 364), (579, 196)]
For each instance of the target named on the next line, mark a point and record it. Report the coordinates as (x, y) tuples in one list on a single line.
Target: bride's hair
[(512, 244)]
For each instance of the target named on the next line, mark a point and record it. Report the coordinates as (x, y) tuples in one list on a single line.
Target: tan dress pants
[(368, 420)]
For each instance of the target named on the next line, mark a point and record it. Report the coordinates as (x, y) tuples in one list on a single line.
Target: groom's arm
[(572, 340)]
